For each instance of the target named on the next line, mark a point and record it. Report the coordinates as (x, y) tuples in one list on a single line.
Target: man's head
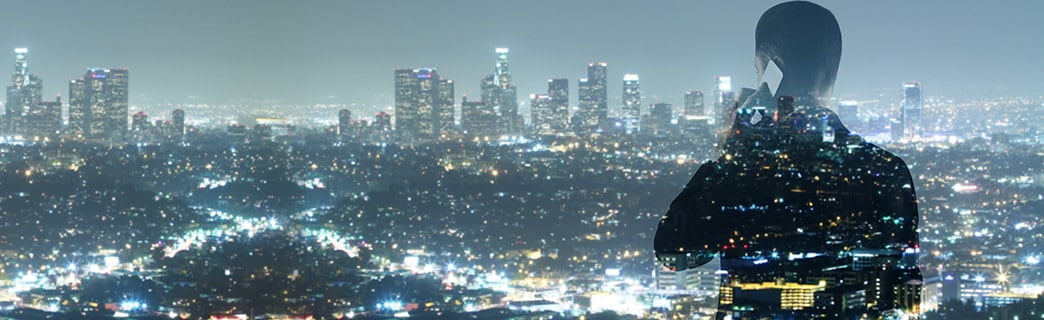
[(804, 41)]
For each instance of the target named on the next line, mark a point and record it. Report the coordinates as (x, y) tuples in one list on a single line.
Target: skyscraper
[(179, 121), (477, 118), (594, 97), (659, 118), (694, 103), (139, 122), (105, 100), (582, 118), (382, 122), (848, 111), (77, 107), (558, 90), (542, 108), (344, 121), (502, 73), (723, 97), (910, 110), (443, 112), (632, 104), (23, 94), (44, 119), (499, 93), (422, 99)]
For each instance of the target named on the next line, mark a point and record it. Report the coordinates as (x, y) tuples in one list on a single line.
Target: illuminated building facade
[(632, 101), (178, 116), (910, 110), (500, 94), (344, 122), (558, 91), (694, 103), (593, 99), (44, 119), (77, 108), (423, 104), (543, 114), (477, 118), (723, 97), (105, 103), (23, 94), (659, 118)]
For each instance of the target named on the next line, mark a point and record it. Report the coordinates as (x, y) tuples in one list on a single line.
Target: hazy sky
[(345, 51)]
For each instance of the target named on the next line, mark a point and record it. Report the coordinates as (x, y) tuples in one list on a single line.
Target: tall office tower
[(502, 73), (344, 122), (659, 118), (582, 118), (443, 113), (477, 118), (848, 111), (558, 91), (424, 100), (723, 97), (542, 109), (139, 122), (421, 98), (77, 107), (407, 115), (105, 100), (382, 122), (490, 93), (910, 110), (499, 93), (597, 76), (179, 121), (45, 119), (694, 103), (632, 101), (23, 94)]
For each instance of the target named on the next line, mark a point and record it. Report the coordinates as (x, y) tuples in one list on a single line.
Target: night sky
[(345, 51)]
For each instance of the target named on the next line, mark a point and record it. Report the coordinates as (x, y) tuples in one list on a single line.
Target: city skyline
[(491, 160), (230, 54)]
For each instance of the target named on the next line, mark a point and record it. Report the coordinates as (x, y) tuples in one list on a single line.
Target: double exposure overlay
[(521, 160), (797, 202)]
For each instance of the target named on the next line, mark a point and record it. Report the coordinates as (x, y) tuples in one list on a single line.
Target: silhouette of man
[(808, 219)]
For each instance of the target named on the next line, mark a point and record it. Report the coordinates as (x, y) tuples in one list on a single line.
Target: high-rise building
[(910, 110), (848, 111), (105, 99), (23, 94), (542, 108), (584, 96), (632, 101), (558, 90), (502, 73), (139, 122), (382, 122), (723, 97), (179, 121), (477, 118), (44, 119), (443, 112), (344, 121), (594, 100), (659, 118), (407, 114), (490, 93), (694, 103), (500, 94), (421, 101), (77, 107)]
